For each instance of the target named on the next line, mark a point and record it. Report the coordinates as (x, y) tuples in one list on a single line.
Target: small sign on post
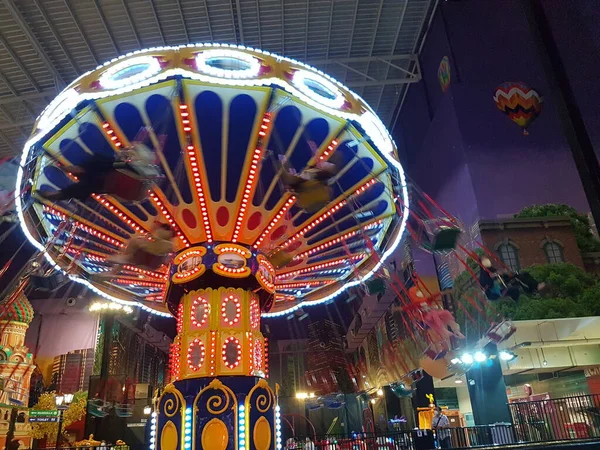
[(43, 416)]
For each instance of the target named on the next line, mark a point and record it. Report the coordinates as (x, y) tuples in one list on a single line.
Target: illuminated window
[(554, 252), (509, 256)]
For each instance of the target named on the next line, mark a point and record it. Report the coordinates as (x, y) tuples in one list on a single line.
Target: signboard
[(137, 424), (43, 416)]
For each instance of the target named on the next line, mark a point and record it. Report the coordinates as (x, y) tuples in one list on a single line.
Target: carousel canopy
[(219, 120)]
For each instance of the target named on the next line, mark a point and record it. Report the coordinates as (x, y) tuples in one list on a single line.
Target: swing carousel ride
[(281, 189)]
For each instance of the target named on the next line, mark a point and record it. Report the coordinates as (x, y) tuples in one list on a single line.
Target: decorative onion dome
[(19, 311)]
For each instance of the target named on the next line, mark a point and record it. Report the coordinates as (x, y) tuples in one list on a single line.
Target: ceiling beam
[(158, 25), (57, 38), (5, 100), (12, 8), (282, 28), (329, 29), (258, 24), (238, 9), (81, 32), (326, 61), (376, 29), (105, 25), (182, 17), (392, 50), (16, 124), (19, 63), (131, 24), (306, 16), (405, 93), (212, 38)]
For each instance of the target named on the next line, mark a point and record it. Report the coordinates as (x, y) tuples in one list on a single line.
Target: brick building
[(523, 242)]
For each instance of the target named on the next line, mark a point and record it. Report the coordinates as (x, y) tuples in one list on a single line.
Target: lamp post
[(62, 403)]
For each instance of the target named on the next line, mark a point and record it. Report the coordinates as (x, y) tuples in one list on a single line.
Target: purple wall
[(576, 26), (458, 146)]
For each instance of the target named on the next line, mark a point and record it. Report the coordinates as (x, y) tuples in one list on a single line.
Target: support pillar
[(486, 387), (219, 398)]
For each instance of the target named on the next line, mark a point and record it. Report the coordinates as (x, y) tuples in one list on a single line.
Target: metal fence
[(408, 440), (543, 429), (576, 417)]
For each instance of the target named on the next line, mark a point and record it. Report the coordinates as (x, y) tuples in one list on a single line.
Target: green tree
[(572, 293), (581, 224), (73, 413)]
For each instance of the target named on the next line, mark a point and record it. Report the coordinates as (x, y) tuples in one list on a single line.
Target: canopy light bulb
[(480, 357), (467, 358)]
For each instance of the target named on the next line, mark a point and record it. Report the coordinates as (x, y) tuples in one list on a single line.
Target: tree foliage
[(73, 413), (572, 292), (580, 222)]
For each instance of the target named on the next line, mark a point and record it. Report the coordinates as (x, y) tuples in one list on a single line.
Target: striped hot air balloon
[(519, 102)]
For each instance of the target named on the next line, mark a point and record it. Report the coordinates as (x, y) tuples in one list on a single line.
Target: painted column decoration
[(218, 397)]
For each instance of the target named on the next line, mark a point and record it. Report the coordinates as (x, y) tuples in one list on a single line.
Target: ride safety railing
[(536, 431), (552, 419)]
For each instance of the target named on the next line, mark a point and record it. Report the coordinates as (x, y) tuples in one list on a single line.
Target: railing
[(576, 417), (458, 437)]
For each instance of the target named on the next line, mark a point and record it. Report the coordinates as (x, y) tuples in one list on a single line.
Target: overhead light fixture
[(506, 355), (455, 361), (380, 392), (545, 363), (467, 358), (480, 357), (304, 395), (458, 381), (110, 306), (373, 401)]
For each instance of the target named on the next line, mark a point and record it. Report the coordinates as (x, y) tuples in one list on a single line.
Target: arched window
[(509, 256), (554, 252)]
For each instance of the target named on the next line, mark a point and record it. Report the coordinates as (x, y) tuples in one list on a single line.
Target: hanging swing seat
[(147, 260), (280, 258), (47, 283), (127, 186), (98, 407), (376, 286), (442, 238), (312, 195), (123, 410), (500, 332)]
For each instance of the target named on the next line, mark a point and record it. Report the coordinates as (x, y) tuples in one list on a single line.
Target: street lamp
[(62, 402)]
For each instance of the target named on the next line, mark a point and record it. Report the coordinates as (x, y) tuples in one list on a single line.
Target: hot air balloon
[(519, 102), (444, 73)]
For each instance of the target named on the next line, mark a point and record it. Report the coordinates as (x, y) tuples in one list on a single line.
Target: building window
[(554, 253), (509, 256)]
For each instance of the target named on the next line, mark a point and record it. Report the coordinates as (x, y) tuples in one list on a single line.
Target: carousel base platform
[(217, 413)]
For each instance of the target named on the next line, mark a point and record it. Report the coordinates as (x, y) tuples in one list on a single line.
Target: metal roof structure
[(370, 45)]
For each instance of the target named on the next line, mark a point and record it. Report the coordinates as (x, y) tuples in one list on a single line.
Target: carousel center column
[(218, 398)]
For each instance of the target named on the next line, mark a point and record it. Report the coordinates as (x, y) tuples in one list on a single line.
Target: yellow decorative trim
[(220, 269), (262, 434), (218, 385), (263, 404), (169, 436), (240, 250), (170, 404), (192, 251), (268, 285), (215, 435), (186, 276)]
